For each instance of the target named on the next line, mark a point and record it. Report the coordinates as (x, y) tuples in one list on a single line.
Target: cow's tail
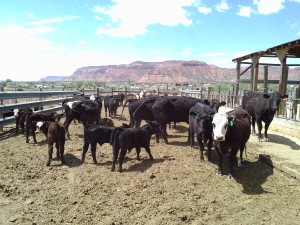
[(134, 113), (128, 100), (114, 134), (245, 151)]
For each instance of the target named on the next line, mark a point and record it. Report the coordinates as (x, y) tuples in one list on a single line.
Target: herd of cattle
[(226, 131)]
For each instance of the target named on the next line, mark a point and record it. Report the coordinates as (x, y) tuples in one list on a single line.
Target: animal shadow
[(253, 174), (72, 161), (283, 140), (142, 165)]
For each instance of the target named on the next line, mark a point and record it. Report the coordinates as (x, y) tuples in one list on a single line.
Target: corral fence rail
[(51, 100)]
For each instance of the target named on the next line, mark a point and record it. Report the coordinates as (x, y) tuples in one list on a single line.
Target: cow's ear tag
[(231, 123), (194, 116)]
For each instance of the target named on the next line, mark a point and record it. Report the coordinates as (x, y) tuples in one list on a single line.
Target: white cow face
[(16, 112), (220, 125), (38, 126)]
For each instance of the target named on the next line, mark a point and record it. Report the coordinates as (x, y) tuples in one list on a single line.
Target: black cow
[(55, 133), (94, 134), (231, 132), (216, 104), (200, 124), (173, 109), (129, 138), (262, 108), (122, 97), (86, 111), (20, 115), (111, 103), (31, 117)]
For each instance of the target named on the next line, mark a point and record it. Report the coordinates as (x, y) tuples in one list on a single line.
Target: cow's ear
[(285, 97), (46, 125), (206, 102), (222, 103), (266, 96), (193, 115), (231, 120)]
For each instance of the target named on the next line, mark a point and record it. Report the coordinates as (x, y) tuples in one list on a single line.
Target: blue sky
[(55, 37)]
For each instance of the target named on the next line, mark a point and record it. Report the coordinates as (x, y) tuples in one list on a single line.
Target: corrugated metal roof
[(293, 52)]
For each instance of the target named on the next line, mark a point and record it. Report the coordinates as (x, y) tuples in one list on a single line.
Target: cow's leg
[(121, 159), (66, 124), (57, 149), (201, 147), (62, 152), (17, 124), (27, 135), (209, 145), (93, 150), (163, 128), (253, 125), (191, 136), (220, 163), (232, 160), (115, 157), (84, 149), (149, 152), (266, 131), (33, 133), (138, 151), (259, 126), (50, 151), (240, 159)]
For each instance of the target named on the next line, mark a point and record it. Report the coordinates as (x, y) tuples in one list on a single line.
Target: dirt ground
[(175, 188)]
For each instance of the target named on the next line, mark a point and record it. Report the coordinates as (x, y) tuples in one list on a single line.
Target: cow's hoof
[(230, 176), (48, 164), (201, 160), (266, 139), (219, 173)]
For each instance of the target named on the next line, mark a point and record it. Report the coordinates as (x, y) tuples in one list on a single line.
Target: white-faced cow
[(231, 132), (87, 111), (55, 133), (262, 108), (200, 124)]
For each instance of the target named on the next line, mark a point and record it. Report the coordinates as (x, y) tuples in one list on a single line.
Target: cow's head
[(203, 120), (274, 100), (220, 122), (41, 125), (16, 113)]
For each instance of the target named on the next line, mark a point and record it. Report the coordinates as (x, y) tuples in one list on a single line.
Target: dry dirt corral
[(173, 189)]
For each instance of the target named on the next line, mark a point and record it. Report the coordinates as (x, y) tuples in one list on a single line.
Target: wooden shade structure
[(282, 52)]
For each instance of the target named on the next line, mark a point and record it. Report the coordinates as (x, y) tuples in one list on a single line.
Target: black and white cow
[(231, 132), (262, 108), (86, 111)]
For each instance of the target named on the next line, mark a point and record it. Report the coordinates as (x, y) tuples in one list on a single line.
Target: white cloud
[(31, 15), (82, 42), (204, 10), (245, 11), (240, 54), (298, 33), (292, 25), (53, 20), (24, 56), (186, 53), (98, 18), (223, 6), (132, 17), (269, 6)]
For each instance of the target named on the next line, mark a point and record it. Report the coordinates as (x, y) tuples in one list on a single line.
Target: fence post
[(98, 92), (1, 103)]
